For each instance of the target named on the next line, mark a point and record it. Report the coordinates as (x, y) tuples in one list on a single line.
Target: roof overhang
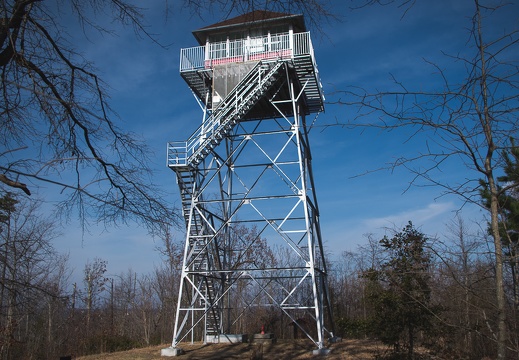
[(253, 19)]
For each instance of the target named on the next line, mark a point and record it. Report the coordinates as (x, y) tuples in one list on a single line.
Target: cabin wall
[(226, 77)]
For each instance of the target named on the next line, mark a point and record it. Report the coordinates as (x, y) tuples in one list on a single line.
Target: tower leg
[(253, 243)]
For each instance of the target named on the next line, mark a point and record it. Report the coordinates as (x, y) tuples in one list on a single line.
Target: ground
[(293, 350)]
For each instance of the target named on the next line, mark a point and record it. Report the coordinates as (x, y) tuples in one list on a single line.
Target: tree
[(31, 277), (55, 116), (55, 113), (508, 206), (349, 286), (95, 281), (346, 296), (146, 307), (124, 294), (55, 310), (166, 283), (464, 285), (467, 121), (399, 292), (245, 248)]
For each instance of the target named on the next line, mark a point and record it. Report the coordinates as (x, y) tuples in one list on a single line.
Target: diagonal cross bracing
[(247, 192)]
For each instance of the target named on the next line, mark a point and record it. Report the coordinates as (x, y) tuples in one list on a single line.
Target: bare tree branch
[(463, 124), (55, 107)]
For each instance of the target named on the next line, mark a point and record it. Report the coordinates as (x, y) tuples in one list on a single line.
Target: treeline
[(44, 315), (409, 290), (405, 289)]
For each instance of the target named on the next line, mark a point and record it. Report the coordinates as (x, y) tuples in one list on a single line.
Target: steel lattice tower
[(245, 179)]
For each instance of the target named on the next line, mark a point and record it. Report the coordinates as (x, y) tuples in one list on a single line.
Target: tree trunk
[(486, 121), (410, 352), (500, 290), (515, 275)]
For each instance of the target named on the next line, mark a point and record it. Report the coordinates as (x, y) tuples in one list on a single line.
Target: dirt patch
[(289, 350)]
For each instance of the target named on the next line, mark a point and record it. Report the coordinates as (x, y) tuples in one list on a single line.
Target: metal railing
[(261, 48), (255, 48), (179, 153)]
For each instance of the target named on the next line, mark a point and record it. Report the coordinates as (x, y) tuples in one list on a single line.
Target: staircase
[(213, 323), (231, 110), (198, 260), (199, 82), (184, 159), (308, 76)]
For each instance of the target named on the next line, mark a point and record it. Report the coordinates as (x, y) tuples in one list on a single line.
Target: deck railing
[(201, 57), (255, 48)]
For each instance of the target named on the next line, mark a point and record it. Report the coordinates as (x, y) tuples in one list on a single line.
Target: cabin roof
[(251, 19)]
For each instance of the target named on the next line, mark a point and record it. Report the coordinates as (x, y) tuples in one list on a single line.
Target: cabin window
[(252, 41), (217, 50)]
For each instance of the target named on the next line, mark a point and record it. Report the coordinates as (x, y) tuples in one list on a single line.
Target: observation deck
[(222, 74), (200, 65)]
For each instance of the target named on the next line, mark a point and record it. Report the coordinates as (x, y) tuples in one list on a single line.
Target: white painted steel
[(254, 48), (224, 171)]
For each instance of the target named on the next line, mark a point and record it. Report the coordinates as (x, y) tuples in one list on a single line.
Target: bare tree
[(29, 265), (125, 295), (347, 290), (316, 11), (146, 307), (56, 118), (55, 112), (95, 281), (464, 285), (55, 308), (469, 122)]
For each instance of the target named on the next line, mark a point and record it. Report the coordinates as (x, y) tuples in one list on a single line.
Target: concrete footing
[(322, 351), (334, 339), (227, 338), (267, 338), (234, 338), (171, 351)]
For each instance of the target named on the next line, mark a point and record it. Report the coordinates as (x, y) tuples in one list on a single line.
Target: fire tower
[(253, 247)]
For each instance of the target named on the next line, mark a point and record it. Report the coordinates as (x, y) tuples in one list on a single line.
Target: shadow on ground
[(282, 350)]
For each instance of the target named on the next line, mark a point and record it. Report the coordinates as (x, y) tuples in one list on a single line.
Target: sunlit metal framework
[(249, 166)]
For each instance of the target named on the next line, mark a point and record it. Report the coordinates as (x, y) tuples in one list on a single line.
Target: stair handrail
[(180, 153), (232, 109)]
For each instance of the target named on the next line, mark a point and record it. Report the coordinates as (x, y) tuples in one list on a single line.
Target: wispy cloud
[(349, 233), (418, 216)]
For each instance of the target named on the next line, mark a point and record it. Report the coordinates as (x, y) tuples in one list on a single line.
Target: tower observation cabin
[(253, 256)]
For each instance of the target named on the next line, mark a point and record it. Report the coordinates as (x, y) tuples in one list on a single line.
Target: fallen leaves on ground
[(289, 349)]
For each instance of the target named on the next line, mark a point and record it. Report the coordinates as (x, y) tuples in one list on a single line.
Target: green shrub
[(352, 328)]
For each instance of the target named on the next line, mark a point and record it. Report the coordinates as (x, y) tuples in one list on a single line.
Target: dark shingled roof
[(257, 16)]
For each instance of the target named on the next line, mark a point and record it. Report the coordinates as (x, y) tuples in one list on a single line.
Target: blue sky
[(361, 49)]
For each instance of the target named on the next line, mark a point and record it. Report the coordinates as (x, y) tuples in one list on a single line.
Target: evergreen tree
[(7, 206), (399, 290), (508, 203)]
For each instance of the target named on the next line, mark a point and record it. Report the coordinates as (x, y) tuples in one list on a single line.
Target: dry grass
[(290, 350)]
